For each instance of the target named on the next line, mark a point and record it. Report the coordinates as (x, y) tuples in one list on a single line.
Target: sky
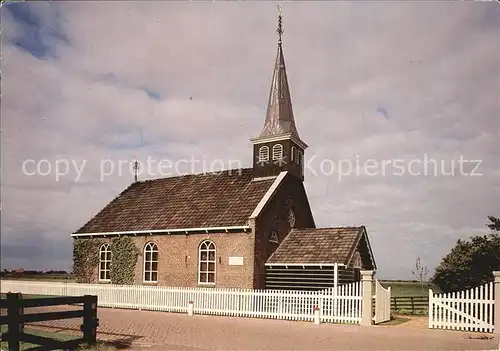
[(91, 84)]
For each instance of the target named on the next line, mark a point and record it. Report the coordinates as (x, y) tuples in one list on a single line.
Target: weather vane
[(136, 167), (280, 25)]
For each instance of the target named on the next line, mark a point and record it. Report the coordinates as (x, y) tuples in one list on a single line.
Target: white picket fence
[(470, 310), (341, 305), (382, 303)]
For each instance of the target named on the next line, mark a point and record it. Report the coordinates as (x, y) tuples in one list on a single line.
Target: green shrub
[(85, 258), (124, 258)]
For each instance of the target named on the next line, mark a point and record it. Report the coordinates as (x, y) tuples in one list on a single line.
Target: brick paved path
[(145, 330)]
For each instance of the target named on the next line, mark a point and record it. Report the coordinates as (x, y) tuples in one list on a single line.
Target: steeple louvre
[(278, 147)]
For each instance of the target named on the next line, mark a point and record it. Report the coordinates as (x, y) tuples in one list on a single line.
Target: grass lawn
[(44, 278), (57, 336), (24, 345), (28, 296), (395, 321), (408, 288)]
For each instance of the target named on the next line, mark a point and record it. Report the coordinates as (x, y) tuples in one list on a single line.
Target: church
[(247, 228)]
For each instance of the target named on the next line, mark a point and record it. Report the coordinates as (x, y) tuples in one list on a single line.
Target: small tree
[(420, 273), (470, 263), (495, 223)]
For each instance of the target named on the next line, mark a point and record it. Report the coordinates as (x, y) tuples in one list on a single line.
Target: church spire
[(278, 147), (279, 116)]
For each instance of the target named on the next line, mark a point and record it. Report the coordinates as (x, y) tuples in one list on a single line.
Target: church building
[(247, 228)]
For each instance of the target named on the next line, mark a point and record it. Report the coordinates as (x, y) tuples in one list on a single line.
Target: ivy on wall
[(124, 255), (85, 258)]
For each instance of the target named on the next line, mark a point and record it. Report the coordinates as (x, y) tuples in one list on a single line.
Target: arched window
[(264, 154), (151, 263), (294, 154), (206, 266), (278, 152), (273, 237), (104, 263)]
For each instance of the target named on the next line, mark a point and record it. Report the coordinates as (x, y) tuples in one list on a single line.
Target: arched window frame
[(277, 152), (105, 263), (207, 265), (264, 154), (150, 267), (273, 237)]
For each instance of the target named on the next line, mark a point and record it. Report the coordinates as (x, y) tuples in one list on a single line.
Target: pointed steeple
[(278, 147), (279, 116)]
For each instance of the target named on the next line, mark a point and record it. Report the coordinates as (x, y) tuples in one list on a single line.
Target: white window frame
[(263, 153), (207, 246), (277, 152), (150, 248), (106, 250), (293, 155)]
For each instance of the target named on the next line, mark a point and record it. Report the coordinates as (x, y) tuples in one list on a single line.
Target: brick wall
[(178, 259), (275, 216)]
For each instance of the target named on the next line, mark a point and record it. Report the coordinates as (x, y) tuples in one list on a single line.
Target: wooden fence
[(341, 305), (470, 310), (412, 304), (16, 318)]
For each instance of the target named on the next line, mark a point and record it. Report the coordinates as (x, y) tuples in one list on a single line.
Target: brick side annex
[(240, 228)]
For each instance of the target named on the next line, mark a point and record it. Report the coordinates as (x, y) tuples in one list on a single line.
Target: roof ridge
[(328, 228), (196, 174)]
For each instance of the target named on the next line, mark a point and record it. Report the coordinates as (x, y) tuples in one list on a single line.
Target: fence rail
[(16, 318), (341, 305), (413, 304)]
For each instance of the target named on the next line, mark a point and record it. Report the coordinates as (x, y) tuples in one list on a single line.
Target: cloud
[(96, 81)]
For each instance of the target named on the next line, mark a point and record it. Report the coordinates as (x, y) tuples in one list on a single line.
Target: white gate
[(342, 305), (470, 310), (382, 303)]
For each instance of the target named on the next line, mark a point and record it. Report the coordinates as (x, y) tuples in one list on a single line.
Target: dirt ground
[(154, 331)]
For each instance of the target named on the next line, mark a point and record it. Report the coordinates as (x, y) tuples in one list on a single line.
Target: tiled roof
[(190, 201), (318, 245)]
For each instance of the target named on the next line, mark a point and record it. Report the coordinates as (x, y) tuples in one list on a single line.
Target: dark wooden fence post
[(20, 313), (13, 321), (90, 321)]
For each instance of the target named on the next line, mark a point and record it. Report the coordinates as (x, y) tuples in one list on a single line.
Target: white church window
[(206, 267), (151, 263), (273, 238), (105, 263), (278, 152), (264, 154), (294, 154)]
